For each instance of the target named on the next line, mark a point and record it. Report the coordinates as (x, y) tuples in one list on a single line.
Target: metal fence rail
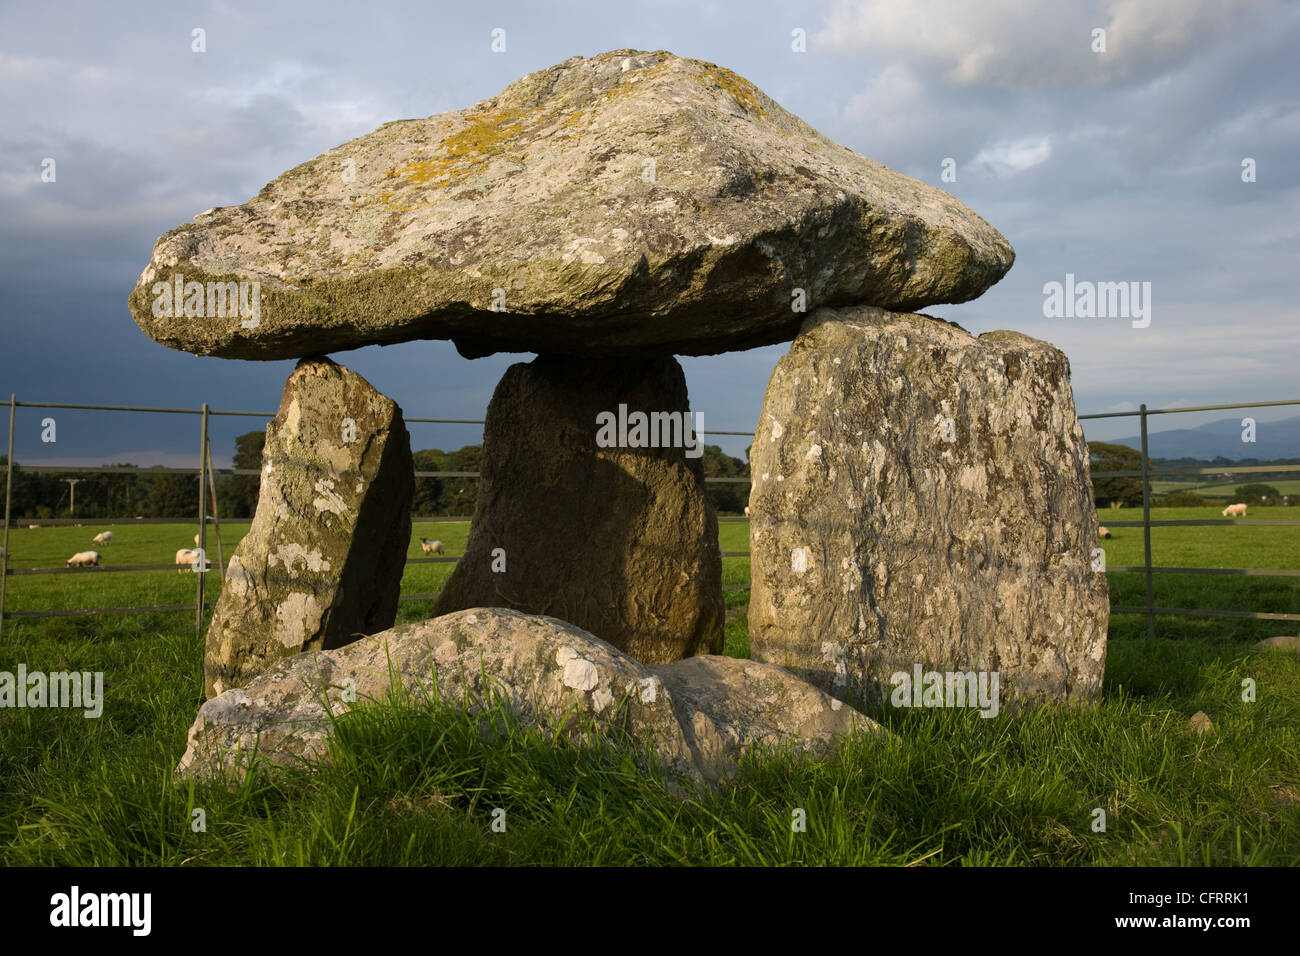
[(1149, 609)]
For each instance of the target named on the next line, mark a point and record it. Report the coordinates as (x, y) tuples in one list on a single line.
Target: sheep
[(431, 547), (104, 537), (32, 527), (1237, 510), (746, 511), (188, 556), (83, 558), (1105, 532)]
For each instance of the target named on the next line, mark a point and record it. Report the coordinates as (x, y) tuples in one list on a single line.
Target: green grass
[(417, 784)]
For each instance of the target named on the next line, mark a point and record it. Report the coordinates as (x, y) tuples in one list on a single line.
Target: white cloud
[(1007, 158), (1033, 43)]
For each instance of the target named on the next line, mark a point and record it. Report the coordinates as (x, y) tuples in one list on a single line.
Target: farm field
[(1224, 490), (413, 786)]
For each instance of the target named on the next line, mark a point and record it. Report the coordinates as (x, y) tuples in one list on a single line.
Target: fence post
[(203, 524), (1146, 528), (9, 489)]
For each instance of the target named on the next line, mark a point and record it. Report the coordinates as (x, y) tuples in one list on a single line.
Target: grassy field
[(418, 786), (1224, 489)]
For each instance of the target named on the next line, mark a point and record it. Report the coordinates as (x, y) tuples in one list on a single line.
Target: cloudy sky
[(1122, 165)]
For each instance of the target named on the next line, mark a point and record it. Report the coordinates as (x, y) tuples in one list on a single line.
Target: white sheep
[(83, 559), (431, 547), (102, 538), (746, 511), (1233, 511), (32, 527), (1105, 532), (188, 556)]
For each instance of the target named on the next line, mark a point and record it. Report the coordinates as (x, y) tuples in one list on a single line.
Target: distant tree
[(1106, 492), (1181, 499), (727, 497), (237, 494), (1256, 493), (173, 496)]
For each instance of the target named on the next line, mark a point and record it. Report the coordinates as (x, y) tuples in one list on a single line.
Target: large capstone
[(921, 498), (699, 716), (631, 202), (591, 507), (322, 562)]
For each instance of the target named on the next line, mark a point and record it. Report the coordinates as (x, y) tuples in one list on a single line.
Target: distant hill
[(1222, 439)]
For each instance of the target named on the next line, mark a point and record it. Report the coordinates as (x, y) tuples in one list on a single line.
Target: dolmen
[(921, 495)]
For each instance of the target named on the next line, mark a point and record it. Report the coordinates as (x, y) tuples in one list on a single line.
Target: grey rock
[(548, 672), (631, 202), (322, 561), (620, 541), (1200, 723), (727, 707), (877, 544)]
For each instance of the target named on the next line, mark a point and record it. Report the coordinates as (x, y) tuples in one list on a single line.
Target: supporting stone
[(921, 496), (620, 541), (322, 562)]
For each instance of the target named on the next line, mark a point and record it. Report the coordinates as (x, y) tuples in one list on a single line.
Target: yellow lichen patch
[(742, 91), (467, 150)]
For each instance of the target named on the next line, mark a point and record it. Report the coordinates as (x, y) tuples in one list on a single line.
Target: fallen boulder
[(699, 716)]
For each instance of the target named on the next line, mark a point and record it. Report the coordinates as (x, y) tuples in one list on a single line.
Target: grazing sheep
[(188, 556), (102, 538), (32, 527), (1105, 532), (1234, 511), (83, 559), (746, 511), (431, 547)]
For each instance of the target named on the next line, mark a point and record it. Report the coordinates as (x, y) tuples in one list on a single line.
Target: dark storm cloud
[(1117, 167)]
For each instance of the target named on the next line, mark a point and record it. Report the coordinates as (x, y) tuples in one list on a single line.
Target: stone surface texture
[(699, 716), (630, 202), (922, 496), (322, 561), (619, 541)]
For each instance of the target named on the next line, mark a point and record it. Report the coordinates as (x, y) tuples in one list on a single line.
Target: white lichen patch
[(297, 618), (580, 674), (291, 554), (330, 499), (601, 699)]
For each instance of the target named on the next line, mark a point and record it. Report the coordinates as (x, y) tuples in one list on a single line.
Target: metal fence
[(1146, 524), (202, 518), (206, 472)]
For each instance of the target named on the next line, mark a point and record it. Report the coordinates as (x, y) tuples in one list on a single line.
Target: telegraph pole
[(72, 488)]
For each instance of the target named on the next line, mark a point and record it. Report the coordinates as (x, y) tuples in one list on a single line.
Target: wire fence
[(207, 473)]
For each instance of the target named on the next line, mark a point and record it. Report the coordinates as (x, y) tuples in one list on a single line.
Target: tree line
[(168, 495)]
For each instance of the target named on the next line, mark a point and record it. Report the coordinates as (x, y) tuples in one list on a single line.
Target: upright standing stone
[(620, 541), (921, 496), (322, 562)]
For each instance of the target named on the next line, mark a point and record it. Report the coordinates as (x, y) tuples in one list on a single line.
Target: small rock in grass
[(1200, 723)]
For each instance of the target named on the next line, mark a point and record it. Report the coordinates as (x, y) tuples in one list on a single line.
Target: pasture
[(417, 785)]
